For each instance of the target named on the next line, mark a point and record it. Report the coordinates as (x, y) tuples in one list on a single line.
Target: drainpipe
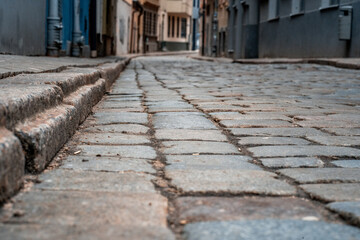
[(77, 38), (54, 29)]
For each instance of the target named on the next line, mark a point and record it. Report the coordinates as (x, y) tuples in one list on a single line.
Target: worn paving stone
[(122, 117), (293, 151), (334, 192), (118, 128), (190, 147), (215, 162), (109, 164), (280, 132), (248, 116), (66, 232), (292, 162), (120, 104), (336, 140), (347, 163), (255, 123), (230, 181), (316, 175), (182, 120), (196, 209), (89, 208), (110, 138), (270, 229), (349, 210), (118, 151), (272, 141), (96, 181), (190, 134), (344, 131)]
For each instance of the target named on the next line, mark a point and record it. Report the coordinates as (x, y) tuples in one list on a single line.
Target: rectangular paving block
[(12, 164), (90, 208), (333, 192), (230, 181), (191, 147), (120, 117), (118, 151), (182, 120), (336, 140), (292, 162), (127, 182), (190, 134), (118, 128), (249, 116), (280, 132), (316, 175), (347, 163), (109, 164), (215, 162), (251, 123), (348, 210), (110, 139), (196, 209), (310, 150), (272, 141), (344, 131)]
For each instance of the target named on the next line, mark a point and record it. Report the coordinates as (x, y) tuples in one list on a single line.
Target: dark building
[(292, 28)]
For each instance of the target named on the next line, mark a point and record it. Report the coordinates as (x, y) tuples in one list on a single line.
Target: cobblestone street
[(188, 149)]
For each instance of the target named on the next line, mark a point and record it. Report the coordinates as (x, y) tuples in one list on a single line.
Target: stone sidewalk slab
[(200, 209), (110, 139), (254, 123), (229, 181), (347, 163), (270, 229), (334, 191), (118, 128), (197, 147), (182, 120), (272, 141), (349, 210), (280, 132), (336, 140), (107, 164), (122, 117), (292, 162), (127, 182), (135, 151)]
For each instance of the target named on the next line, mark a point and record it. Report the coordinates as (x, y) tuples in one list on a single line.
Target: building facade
[(283, 28)]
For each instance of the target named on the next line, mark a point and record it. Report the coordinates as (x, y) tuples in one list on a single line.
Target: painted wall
[(23, 27), (313, 34), (123, 25)]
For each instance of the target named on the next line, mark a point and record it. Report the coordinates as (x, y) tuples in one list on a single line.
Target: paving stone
[(109, 164), (121, 117), (230, 181), (195, 209), (255, 123), (118, 128), (110, 139), (281, 132), (270, 229), (118, 151), (292, 162), (293, 151), (190, 134), (12, 164), (191, 147), (90, 208), (215, 162), (315, 175), (66, 232), (349, 210), (334, 192), (272, 141), (344, 131), (336, 140), (120, 104), (182, 120), (96, 181), (347, 163), (249, 116)]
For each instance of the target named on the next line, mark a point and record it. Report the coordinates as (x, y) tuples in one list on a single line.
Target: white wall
[(123, 25)]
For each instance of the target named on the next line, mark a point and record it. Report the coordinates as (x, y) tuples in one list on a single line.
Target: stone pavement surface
[(187, 149)]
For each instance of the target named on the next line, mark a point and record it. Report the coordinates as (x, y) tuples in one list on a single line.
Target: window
[(183, 28), (297, 7), (173, 27), (329, 3), (178, 27), (273, 9), (169, 24)]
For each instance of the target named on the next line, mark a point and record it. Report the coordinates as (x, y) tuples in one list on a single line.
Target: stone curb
[(40, 112), (347, 63)]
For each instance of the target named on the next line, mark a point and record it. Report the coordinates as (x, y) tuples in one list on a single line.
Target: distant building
[(282, 28)]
